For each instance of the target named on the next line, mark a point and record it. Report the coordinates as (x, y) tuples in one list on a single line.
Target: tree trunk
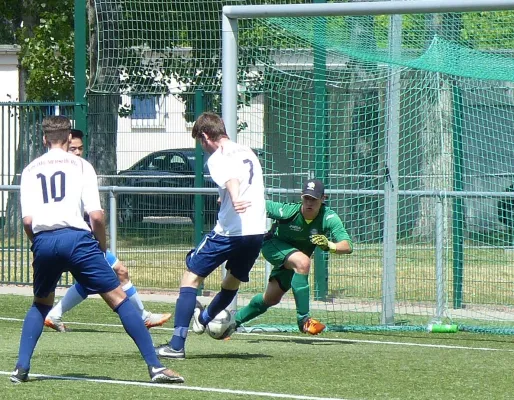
[(102, 113), (436, 146), (365, 216), (29, 143), (436, 133)]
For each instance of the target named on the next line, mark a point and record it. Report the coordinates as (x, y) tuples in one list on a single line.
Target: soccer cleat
[(198, 327), (164, 375), (312, 326), (56, 324), (153, 320), (19, 375), (166, 351)]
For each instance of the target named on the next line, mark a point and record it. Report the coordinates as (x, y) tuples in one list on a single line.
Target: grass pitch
[(97, 360)]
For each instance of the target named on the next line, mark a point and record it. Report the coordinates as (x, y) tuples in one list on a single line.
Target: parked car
[(165, 168)]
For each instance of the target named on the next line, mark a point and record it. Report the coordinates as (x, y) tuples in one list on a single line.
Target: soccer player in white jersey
[(76, 294), (56, 189), (236, 238)]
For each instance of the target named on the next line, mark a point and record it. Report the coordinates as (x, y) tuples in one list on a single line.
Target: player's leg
[(221, 301), (46, 273), (92, 271), (184, 309), (260, 303), (30, 334), (200, 262), (300, 263), (75, 295), (151, 319), (276, 252), (136, 329), (244, 251)]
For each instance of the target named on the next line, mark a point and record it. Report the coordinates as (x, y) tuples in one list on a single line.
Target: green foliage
[(47, 53), (489, 31), (10, 11)]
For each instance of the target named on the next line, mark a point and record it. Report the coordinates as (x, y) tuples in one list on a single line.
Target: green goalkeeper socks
[(300, 286), (252, 310)]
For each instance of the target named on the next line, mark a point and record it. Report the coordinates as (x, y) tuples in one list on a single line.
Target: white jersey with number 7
[(235, 161)]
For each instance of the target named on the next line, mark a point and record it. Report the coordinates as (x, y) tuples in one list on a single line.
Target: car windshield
[(175, 162)]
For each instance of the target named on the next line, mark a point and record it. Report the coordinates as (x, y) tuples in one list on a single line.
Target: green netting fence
[(406, 119), (419, 105)]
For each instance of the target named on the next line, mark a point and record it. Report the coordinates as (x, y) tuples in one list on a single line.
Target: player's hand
[(241, 205), (323, 243)]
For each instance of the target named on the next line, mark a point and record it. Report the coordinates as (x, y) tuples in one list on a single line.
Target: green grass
[(336, 365)]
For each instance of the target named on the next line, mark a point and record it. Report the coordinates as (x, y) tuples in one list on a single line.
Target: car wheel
[(128, 212)]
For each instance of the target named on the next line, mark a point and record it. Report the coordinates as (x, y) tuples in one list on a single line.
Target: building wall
[(9, 92), (165, 127)]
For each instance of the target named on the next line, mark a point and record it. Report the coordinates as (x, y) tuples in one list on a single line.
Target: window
[(144, 108), (146, 112), (178, 164)]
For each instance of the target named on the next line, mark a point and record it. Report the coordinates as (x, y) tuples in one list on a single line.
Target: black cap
[(313, 188)]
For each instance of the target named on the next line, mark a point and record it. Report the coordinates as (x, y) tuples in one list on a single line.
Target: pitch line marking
[(180, 387), (311, 338)]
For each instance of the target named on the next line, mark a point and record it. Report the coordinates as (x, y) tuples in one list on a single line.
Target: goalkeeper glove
[(323, 243)]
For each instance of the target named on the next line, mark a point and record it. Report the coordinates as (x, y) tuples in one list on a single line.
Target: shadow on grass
[(229, 356), (69, 330), (318, 341), (458, 337)]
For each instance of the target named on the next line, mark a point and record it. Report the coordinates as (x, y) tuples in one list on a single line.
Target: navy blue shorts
[(72, 250), (240, 253)]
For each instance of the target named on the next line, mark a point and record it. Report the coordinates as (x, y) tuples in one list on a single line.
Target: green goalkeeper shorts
[(276, 252)]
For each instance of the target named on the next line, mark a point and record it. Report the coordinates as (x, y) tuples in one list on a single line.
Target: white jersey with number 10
[(56, 189), (235, 161)]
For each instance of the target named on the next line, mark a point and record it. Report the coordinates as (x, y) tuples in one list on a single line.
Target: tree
[(436, 161), (44, 37)]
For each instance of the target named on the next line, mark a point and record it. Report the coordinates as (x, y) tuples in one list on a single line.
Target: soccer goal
[(406, 110)]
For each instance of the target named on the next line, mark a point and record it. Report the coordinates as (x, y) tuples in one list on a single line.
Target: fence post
[(113, 212), (80, 107), (439, 257), (458, 206), (199, 106)]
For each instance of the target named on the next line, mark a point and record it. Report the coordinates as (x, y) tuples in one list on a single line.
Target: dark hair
[(211, 124), (56, 128), (77, 134)]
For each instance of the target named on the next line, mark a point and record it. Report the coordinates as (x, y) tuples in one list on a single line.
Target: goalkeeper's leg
[(260, 303), (301, 264)]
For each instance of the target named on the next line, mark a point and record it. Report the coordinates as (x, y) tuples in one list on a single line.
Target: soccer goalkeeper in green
[(297, 230)]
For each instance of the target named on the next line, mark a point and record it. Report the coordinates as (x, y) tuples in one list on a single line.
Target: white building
[(157, 123)]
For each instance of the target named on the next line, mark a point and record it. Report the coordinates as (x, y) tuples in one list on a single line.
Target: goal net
[(409, 121), (418, 105)]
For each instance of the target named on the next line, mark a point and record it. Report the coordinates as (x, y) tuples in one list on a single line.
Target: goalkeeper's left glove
[(323, 243)]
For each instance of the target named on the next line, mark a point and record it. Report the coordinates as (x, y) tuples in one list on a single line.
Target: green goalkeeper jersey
[(295, 230)]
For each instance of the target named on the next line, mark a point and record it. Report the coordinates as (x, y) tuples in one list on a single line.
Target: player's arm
[(277, 210), (27, 227), (232, 186), (225, 173), (342, 243), (92, 206), (26, 204), (98, 227), (344, 247)]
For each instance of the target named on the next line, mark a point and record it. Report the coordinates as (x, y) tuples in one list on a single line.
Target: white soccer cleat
[(56, 324), (153, 320), (198, 328)]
